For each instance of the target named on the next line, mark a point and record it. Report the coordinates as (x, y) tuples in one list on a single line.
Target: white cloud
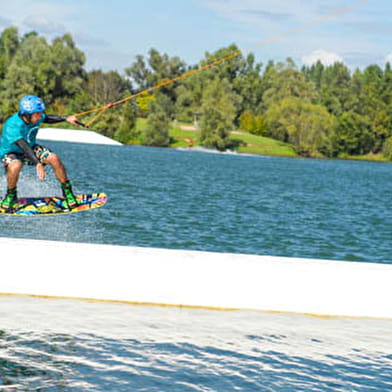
[(388, 59), (43, 25), (326, 58)]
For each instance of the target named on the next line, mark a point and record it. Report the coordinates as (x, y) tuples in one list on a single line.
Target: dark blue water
[(165, 198), (225, 203)]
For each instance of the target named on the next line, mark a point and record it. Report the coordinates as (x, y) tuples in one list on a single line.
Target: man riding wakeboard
[(18, 146)]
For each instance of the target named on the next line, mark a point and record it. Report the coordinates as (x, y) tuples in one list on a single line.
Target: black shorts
[(41, 152)]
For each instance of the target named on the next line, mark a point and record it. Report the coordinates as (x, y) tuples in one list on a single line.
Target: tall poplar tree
[(217, 114)]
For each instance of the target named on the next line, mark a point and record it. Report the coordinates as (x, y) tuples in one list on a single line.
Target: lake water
[(165, 198), (202, 201)]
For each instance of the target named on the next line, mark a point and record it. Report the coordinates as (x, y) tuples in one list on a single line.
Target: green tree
[(108, 123), (228, 69), (143, 103), (12, 91), (283, 81), (105, 87), (67, 63), (387, 148), (184, 107), (148, 72), (126, 131), (157, 130), (371, 90), (189, 97), (28, 72), (247, 120), (255, 124), (249, 85), (386, 94), (335, 88), (307, 126), (353, 135), (140, 73), (9, 42), (353, 102), (218, 113), (157, 69), (368, 98), (243, 75), (54, 72), (314, 74)]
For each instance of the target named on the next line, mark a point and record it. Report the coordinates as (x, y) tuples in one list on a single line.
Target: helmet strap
[(26, 117)]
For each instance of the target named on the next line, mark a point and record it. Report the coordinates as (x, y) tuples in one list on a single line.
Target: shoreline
[(93, 137), (263, 143), (234, 152)]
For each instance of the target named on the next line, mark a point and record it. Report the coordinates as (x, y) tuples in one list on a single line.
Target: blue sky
[(111, 33)]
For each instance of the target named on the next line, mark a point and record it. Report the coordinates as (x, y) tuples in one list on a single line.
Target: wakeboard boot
[(70, 200), (10, 200)]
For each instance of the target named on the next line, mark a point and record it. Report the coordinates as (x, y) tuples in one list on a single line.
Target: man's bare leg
[(58, 168), (10, 198), (61, 175), (13, 170)]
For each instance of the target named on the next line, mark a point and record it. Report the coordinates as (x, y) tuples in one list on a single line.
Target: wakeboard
[(55, 205)]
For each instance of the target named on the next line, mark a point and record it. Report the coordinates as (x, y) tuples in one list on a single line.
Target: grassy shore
[(367, 157), (185, 135)]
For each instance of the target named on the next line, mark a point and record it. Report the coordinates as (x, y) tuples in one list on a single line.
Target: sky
[(112, 33)]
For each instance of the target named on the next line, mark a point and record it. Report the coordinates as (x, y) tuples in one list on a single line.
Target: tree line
[(321, 110)]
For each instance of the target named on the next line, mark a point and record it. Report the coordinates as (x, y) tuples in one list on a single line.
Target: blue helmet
[(30, 104)]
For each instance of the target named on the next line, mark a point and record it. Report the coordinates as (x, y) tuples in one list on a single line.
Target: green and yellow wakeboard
[(55, 205)]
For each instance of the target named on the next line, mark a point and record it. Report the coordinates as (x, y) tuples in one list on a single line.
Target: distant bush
[(255, 124), (387, 148)]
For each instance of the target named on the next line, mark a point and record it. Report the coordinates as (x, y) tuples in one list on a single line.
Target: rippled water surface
[(58, 345), (226, 203), (217, 202)]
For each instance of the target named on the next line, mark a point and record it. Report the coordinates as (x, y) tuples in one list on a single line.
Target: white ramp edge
[(75, 136), (195, 278)]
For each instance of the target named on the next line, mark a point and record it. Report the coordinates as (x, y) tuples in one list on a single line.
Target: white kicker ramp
[(192, 278), (75, 136)]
